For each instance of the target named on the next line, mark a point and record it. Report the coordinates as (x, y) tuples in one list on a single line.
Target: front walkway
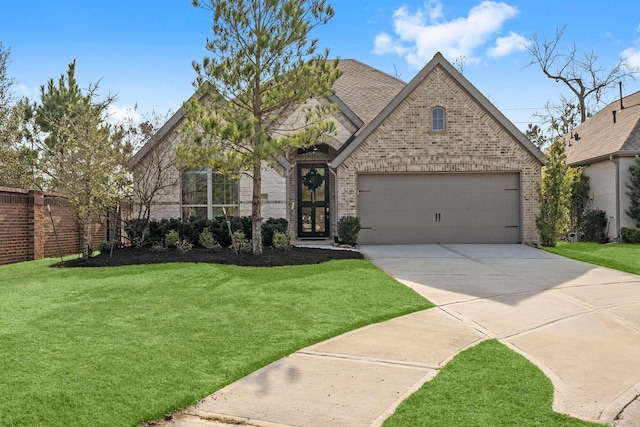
[(579, 323)]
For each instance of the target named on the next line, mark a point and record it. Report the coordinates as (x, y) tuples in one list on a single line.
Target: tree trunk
[(256, 219), (85, 236)]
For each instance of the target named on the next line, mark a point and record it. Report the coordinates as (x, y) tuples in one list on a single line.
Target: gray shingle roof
[(364, 89), (599, 136)]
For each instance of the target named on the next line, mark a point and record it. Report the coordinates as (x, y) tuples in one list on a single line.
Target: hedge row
[(630, 235), (190, 230)]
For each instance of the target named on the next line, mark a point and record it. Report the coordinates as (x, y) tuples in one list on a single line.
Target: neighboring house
[(605, 145), (431, 161)]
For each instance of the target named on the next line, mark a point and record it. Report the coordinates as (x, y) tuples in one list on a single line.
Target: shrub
[(158, 247), (184, 246), (239, 242), (348, 229), (634, 192), (593, 225), (165, 226), (220, 229), (206, 240), (630, 235), (105, 246), (171, 239), (272, 226), (282, 240)]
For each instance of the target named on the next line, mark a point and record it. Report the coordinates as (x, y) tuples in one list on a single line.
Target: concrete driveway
[(579, 323)]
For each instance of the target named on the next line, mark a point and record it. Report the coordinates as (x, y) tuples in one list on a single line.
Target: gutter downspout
[(617, 163)]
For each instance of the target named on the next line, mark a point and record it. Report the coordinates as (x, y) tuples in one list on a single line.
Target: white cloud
[(419, 35), (631, 56), (506, 45), (121, 114), (26, 92)]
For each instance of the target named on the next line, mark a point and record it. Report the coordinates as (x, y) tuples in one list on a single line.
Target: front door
[(313, 200)]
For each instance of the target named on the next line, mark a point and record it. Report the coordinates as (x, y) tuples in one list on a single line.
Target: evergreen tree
[(634, 192), (554, 193), (263, 67), (16, 159), (81, 155), (579, 197)]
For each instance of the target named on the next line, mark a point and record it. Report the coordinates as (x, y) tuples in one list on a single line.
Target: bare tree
[(581, 73), (460, 63), (153, 173)]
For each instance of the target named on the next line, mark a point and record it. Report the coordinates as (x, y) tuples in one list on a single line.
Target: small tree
[(81, 155), (634, 192), (554, 194), (263, 67), (154, 173), (579, 198)]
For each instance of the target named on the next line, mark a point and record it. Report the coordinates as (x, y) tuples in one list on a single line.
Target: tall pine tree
[(263, 66)]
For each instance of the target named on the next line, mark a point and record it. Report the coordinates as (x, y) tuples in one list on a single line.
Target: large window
[(437, 118), (205, 193)]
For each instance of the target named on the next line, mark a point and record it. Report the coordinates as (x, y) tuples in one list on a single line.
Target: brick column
[(37, 216)]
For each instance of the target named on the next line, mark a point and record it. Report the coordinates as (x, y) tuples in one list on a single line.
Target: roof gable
[(361, 93), (437, 61), (599, 136)]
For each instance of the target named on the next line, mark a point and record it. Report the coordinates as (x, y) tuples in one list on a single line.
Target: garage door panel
[(439, 208)]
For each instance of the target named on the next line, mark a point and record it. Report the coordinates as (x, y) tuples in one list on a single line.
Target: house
[(431, 161), (605, 146)]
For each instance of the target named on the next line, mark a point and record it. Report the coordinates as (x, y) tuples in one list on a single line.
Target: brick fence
[(30, 221)]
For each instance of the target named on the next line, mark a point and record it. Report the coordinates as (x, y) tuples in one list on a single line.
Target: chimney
[(621, 106)]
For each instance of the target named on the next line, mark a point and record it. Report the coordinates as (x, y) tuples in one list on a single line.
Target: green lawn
[(122, 345), (623, 257), (118, 346), (486, 385)]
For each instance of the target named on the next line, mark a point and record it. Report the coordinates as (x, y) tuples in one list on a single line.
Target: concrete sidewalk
[(356, 379), (579, 323)]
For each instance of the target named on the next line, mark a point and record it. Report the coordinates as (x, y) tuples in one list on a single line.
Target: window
[(205, 193), (437, 118), (224, 193)]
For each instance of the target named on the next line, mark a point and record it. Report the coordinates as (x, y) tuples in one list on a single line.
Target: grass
[(486, 385), (122, 345), (623, 257)]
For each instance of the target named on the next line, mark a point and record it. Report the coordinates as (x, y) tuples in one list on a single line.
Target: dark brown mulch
[(270, 257)]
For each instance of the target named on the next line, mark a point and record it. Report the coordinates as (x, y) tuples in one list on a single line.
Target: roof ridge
[(372, 68)]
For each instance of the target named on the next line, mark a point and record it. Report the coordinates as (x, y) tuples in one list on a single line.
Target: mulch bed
[(270, 257)]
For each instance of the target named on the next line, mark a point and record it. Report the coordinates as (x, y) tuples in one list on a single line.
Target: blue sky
[(141, 50)]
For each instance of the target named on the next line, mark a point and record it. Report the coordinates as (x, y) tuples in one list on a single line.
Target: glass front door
[(313, 200)]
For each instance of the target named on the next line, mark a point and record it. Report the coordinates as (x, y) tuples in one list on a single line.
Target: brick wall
[(15, 223), (27, 226)]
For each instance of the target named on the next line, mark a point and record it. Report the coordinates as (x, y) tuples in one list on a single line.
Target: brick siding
[(471, 142)]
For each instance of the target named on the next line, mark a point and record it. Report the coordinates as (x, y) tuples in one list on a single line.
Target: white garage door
[(439, 208)]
